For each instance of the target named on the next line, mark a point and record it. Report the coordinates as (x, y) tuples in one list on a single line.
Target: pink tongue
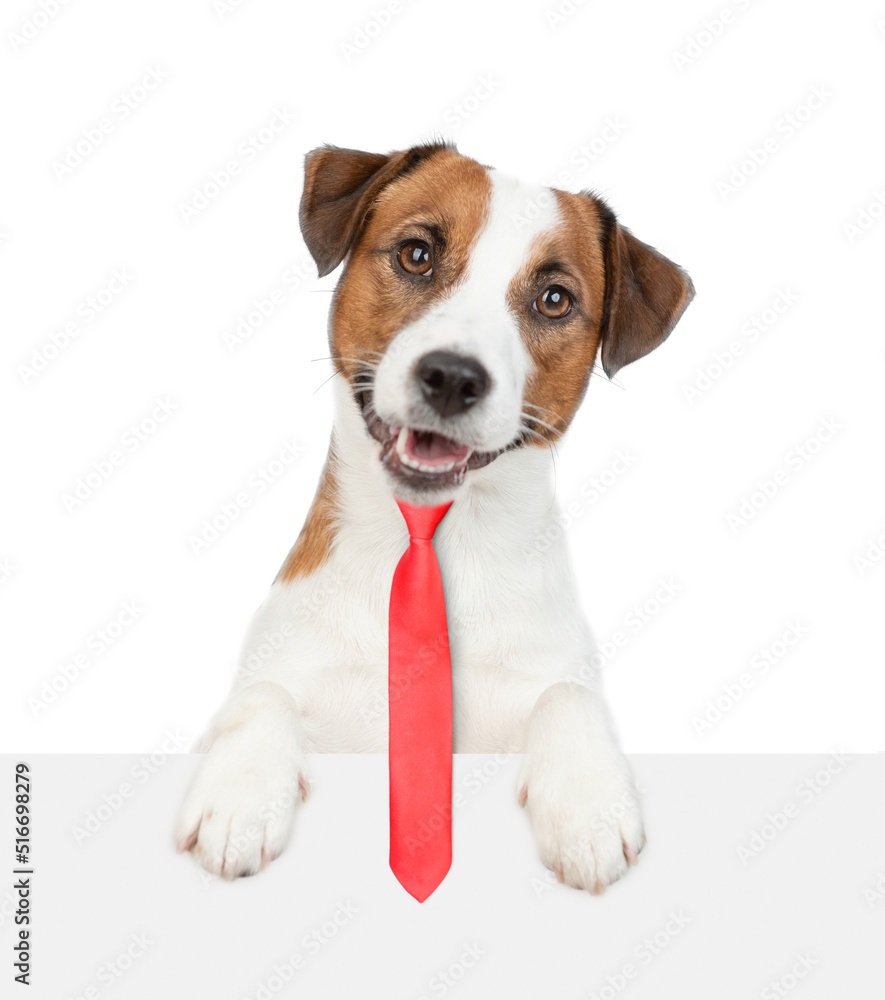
[(434, 449)]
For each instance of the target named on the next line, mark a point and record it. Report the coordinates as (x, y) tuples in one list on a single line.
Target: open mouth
[(424, 456), (429, 452), (423, 459)]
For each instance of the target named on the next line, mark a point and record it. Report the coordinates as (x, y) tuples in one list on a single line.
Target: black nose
[(450, 382)]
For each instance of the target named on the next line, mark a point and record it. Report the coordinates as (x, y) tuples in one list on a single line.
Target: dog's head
[(472, 306)]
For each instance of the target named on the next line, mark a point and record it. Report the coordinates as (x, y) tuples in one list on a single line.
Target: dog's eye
[(415, 257), (554, 302)]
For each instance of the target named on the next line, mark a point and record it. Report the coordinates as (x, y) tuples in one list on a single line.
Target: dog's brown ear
[(340, 186), (645, 294)]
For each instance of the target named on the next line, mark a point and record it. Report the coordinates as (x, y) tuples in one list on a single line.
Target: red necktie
[(420, 698)]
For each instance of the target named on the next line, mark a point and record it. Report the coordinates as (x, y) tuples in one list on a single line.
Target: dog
[(463, 330)]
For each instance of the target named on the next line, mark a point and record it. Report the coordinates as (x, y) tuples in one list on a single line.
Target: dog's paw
[(238, 814), (587, 819)]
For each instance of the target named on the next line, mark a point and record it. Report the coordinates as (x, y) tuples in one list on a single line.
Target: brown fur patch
[(562, 351), (444, 201), (314, 545), (626, 296), (645, 295), (340, 188)]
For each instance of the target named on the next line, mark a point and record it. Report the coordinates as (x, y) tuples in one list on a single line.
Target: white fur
[(516, 631), (474, 320)]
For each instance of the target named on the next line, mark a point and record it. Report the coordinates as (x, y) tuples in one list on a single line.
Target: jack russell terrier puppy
[(464, 329)]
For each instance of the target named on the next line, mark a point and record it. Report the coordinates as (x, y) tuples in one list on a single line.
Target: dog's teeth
[(401, 439), (412, 463), (421, 467)]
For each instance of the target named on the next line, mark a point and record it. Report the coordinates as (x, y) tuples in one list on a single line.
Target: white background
[(538, 90), (669, 107)]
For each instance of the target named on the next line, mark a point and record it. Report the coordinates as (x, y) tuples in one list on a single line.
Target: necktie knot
[(422, 522)]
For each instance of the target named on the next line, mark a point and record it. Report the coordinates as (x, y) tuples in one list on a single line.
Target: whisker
[(600, 373), (530, 430), (554, 454), (540, 437), (343, 357), (543, 409), (553, 457), (541, 423), (325, 380), (365, 362)]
